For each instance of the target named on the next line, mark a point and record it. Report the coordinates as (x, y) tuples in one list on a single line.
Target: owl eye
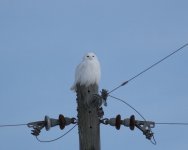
[(93, 56), (87, 55)]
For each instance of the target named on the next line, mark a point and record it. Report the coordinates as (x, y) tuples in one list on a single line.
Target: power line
[(12, 125), (17, 125), (172, 123), (153, 65)]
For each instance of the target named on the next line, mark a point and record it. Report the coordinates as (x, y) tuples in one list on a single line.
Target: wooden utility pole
[(88, 120)]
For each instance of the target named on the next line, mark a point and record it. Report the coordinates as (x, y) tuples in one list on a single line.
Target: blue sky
[(42, 41)]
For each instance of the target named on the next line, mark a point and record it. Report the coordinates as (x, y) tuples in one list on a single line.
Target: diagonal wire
[(157, 123), (129, 106), (153, 65)]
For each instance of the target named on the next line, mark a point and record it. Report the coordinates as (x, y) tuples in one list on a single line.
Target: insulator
[(132, 122), (114, 122), (50, 122), (62, 122), (118, 122), (126, 122)]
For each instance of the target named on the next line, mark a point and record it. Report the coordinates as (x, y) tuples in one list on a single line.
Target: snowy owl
[(88, 71)]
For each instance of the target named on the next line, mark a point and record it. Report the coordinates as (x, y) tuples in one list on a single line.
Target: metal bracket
[(97, 99), (104, 95), (37, 127), (144, 126)]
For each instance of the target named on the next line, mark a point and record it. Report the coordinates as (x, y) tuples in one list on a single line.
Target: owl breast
[(90, 73)]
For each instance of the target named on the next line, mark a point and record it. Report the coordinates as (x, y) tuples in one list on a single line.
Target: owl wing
[(78, 74)]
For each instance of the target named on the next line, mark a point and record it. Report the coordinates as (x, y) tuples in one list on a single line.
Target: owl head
[(90, 56)]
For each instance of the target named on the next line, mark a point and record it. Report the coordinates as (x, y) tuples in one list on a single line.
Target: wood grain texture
[(88, 120)]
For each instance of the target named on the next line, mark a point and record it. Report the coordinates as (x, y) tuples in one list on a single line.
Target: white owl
[(88, 71)]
